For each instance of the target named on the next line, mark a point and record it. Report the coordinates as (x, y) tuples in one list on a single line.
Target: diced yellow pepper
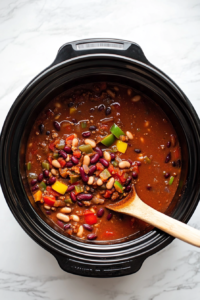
[(38, 196), (72, 110), (121, 146), (59, 187)]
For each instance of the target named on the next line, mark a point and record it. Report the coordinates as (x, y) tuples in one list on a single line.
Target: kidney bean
[(81, 197), (168, 144), (41, 128), (130, 161), (80, 203), (56, 125), (48, 132), (63, 154), (91, 236), (128, 181), (104, 162), (46, 173), (137, 150), (112, 155), (67, 226), (167, 175), (40, 177), (70, 188), (149, 187), (74, 121), (92, 170), (48, 212), (67, 149), (128, 188), (92, 128), (108, 111), (135, 175), (168, 157), (69, 164), (73, 196), (33, 182), (94, 158), (138, 163), (88, 227), (109, 216), (100, 212), (83, 175), (35, 188), (101, 107), (86, 134), (52, 180), (74, 160), (70, 104), (99, 151)]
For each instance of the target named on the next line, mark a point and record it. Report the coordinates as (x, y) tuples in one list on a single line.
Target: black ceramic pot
[(79, 62)]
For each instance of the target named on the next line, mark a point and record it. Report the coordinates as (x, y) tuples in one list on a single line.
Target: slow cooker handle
[(96, 46)]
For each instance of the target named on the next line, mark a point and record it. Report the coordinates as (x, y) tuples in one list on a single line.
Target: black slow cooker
[(89, 61)]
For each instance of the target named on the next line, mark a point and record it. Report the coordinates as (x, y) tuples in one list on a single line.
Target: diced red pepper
[(111, 169), (49, 200), (49, 159), (108, 194), (51, 146), (103, 126), (77, 153), (88, 212), (100, 167), (122, 178), (52, 192), (69, 138), (90, 217), (62, 162)]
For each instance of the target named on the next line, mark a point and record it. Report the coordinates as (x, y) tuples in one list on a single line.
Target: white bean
[(62, 217), (124, 164), (56, 164), (90, 142), (66, 210), (47, 206), (90, 180), (54, 172), (99, 182), (136, 98), (86, 160), (107, 156), (75, 218), (110, 183), (75, 142), (80, 231), (129, 135)]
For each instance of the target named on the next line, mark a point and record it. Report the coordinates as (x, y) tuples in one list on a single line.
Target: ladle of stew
[(133, 206)]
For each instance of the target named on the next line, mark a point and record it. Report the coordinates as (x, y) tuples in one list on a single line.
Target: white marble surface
[(31, 31)]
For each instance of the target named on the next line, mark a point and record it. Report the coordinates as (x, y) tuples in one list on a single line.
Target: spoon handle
[(167, 224)]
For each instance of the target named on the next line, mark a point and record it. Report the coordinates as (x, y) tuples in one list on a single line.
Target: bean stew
[(88, 147)]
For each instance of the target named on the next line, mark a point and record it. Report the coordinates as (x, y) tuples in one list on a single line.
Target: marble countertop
[(31, 32)]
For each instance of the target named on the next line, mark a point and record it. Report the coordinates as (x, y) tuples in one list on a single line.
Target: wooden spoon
[(133, 206)]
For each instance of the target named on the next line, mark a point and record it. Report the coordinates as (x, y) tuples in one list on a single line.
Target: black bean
[(41, 128), (137, 150), (67, 149), (168, 144), (128, 188), (48, 132), (35, 188), (167, 175), (128, 181), (104, 162), (92, 128), (86, 134), (92, 170), (69, 164), (101, 107), (92, 236), (67, 226), (109, 216), (74, 160), (80, 203), (63, 154), (82, 197), (52, 180), (70, 188), (173, 163), (108, 111), (56, 125), (88, 227), (70, 104), (46, 173), (149, 187), (100, 212), (112, 155), (135, 175), (83, 175), (73, 196), (33, 182), (168, 157), (98, 150), (48, 212), (40, 177), (94, 158)]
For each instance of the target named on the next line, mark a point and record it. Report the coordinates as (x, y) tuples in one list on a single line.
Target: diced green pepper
[(116, 131), (32, 175), (118, 187), (68, 200), (45, 165), (115, 163), (105, 174), (42, 186), (147, 160), (74, 178), (83, 125), (28, 166), (108, 140), (79, 189), (171, 180), (86, 148), (55, 155)]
